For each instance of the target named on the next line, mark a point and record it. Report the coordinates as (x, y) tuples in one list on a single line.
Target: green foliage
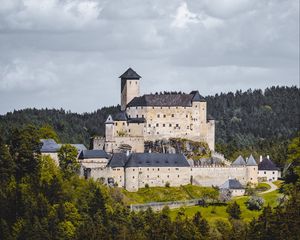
[(47, 132), (255, 203), (67, 156), (234, 210)]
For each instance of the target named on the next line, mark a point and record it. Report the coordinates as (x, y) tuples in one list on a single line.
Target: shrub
[(167, 184), (255, 203), (234, 210), (146, 185)]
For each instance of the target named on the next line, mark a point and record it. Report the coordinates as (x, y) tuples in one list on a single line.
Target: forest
[(40, 200), (255, 121)]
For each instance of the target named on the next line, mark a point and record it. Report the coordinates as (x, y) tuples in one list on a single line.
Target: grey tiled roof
[(267, 164), (130, 74), (166, 100), (232, 184), (120, 116), (251, 161), (86, 154), (118, 160), (239, 161), (157, 160), (49, 146)]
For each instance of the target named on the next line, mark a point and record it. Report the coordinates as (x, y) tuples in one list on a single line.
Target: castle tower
[(109, 129), (130, 87)]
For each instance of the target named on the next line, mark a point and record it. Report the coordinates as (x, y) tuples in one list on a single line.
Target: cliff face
[(192, 150)]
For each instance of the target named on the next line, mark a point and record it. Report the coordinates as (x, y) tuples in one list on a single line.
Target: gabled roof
[(130, 74), (239, 161), (157, 160), (251, 161), (267, 164), (86, 154), (232, 184), (49, 146), (118, 160), (166, 100), (109, 120)]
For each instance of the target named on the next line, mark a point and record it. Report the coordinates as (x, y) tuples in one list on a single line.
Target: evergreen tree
[(234, 211)]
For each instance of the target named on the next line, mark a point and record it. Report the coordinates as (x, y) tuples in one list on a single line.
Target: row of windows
[(153, 169), (158, 176)]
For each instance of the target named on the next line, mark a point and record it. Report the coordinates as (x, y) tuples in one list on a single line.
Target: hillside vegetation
[(255, 121)]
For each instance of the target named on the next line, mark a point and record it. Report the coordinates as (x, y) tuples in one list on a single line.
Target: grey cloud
[(69, 54)]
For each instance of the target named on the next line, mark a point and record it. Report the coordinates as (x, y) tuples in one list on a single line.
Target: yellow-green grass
[(213, 213), (278, 183), (261, 187), (164, 194)]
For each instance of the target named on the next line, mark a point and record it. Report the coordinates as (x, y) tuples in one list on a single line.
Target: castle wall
[(156, 177), (137, 144), (177, 122), (208, 176)]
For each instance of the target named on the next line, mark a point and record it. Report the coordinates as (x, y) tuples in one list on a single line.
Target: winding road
[(273, 188)]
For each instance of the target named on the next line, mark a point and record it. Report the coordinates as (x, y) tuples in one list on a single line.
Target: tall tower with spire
[(130, 87)]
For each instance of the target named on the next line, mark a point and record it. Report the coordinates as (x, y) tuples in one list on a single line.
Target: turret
[(130, 87), (109, 129)]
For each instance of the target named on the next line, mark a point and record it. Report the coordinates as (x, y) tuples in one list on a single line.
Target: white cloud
[(53, 51), (184, 16), (48, 14), (20, 76)]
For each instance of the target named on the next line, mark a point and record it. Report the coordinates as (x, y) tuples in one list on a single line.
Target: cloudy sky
[(70, 53)]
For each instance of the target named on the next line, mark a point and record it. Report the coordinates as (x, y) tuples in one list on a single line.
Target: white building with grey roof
[(156, 116)]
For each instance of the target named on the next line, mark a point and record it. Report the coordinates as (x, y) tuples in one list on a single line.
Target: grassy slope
[(220, 211), (163, 194), (211, 213)]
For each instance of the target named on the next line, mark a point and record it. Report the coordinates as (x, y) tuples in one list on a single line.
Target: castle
[(120, 158), (156, 116)]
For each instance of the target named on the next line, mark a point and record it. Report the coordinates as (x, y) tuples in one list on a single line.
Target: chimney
[(127, 153), (268, 157), (149, 150), (260, 158)]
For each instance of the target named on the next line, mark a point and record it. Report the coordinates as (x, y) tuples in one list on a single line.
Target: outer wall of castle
[(133, 178)]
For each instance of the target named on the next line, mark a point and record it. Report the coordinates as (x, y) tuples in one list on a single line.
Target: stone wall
[(136, 178), (208, 176)]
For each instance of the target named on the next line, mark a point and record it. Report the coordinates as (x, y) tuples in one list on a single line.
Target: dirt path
[(273, 188)]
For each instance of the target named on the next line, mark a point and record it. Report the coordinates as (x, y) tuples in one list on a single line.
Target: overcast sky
[(70, 53)]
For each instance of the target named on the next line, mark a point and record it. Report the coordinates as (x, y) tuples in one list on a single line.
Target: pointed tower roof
[(197, 97), (239, 161), (109, 120), (251, 161), (130, 74)]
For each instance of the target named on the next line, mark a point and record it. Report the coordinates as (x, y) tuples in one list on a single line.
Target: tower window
[(137, 116), (158, 115), (136, 82), (172, 115), (164, 116), (170, 125), (157, 125), (129, 82), (149, 125), (164, 125)]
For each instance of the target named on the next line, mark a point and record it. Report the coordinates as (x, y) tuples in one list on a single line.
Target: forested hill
[(242, 118)]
